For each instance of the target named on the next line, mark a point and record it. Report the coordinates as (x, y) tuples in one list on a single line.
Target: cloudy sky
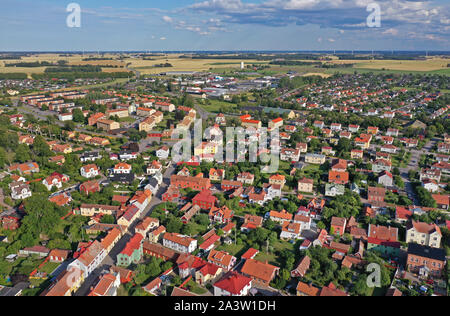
[(224, 25)]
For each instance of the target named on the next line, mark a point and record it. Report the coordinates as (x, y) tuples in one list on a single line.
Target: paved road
[(43, 115), (111, 258)]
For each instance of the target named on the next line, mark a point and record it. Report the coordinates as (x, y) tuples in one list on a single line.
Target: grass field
[(435, 65)]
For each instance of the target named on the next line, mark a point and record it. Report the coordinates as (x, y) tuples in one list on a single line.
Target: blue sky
[(40, 25)]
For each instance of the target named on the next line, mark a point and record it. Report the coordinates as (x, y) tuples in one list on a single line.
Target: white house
[(180, 243), (89, 171)]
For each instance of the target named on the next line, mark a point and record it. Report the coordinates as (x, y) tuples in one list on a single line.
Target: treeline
[(82, 75), (257, 56), (8, 57), (30, 64), (84, 68), (294, 63), (97, 58), (13, 76), (166, 65)]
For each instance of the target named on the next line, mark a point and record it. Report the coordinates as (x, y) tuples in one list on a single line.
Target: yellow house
[(251, 123), (147, 125), (423, 234), (107, 125), (121, 113), (316, 159), (208, 273), (357, 154), (205, 148), (277, 179), (276, 123)]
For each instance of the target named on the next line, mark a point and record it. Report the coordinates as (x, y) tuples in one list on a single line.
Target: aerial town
[(94, 203)]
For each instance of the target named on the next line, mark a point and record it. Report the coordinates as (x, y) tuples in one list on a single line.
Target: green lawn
[(49, 267)]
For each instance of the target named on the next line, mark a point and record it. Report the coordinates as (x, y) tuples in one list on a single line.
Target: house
[(290, 231), (402, 215), (442, 201), (55, 180), (121, 168), (384, 240), (280, 217), (290, 154), (317, 159), (163, 152), (39, 251), (89, 171), (154, 167), (338, 177), (331, 290), (430, 185), (380, 165), (93, 119), (423, 234), (90, 156), (172, 194), (20, 190), (205, 199), (220, 119), (305, 185), (195, 183), (277, 179), (251, 222), (303, 220), (376, 194), (221, 215), (338, 225), (146, 225), (356, 154), (216, 174), (222, 259), (156, 235), (246, 178), (58, 255), (332, 189), (339, 165), (89, 187), (107, 285), (302, 267), (425, 261), (107, 125), (26, 168), (304, 289), (141, 199), (303, 147), (233, 284), (132, 253), (261, 273), (189, 212), (208, 273), (120, 113), (386, 179), (179, 242), (90, 259), (433, 174), (276, 123)]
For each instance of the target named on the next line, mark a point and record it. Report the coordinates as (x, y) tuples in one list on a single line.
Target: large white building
[(180, 243)]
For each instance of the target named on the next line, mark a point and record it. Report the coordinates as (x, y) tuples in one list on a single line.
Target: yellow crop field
[(182, 64), (429, 64)]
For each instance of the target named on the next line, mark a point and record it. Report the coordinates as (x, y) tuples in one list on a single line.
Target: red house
[(338, 225), (10, 223), (204, 199), (89, 187), (376, 194)]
